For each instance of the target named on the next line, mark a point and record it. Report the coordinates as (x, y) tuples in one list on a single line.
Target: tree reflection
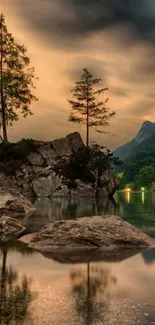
[(91, 292), (15, 295)]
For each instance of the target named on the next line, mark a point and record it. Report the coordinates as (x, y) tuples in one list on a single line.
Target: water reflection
[(149, 256), (15, 294), (58, 208), (87, 287), (136, 208), (143, 197), (128, 196)]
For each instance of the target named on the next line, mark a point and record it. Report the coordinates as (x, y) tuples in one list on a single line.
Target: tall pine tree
[(16, 79), (86, 109)]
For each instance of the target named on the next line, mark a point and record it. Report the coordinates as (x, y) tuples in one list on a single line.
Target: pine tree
[(86, 109), (16, 79)]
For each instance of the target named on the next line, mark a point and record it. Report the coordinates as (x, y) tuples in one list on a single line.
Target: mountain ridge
[(145, 133)]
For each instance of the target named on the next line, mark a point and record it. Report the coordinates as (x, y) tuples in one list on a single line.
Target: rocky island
[(33, 169), (73, 240)]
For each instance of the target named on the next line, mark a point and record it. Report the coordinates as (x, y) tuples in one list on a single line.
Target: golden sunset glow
[(124, 62)]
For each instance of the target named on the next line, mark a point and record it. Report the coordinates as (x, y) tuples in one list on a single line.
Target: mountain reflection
[(15, 294), (87, 288)]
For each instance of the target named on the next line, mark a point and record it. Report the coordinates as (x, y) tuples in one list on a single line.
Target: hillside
[(144, 141)]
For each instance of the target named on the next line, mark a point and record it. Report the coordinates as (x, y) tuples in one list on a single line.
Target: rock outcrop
[(13, 203), (106, 232), (37, 175), (10, 229)]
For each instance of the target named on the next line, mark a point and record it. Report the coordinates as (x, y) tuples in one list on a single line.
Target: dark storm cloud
[(96, 67), (77, 18)]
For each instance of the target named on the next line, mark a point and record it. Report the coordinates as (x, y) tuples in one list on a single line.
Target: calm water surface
[(37, 290)]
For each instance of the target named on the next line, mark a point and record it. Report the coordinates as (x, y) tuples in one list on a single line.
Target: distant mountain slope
[(144, 140)]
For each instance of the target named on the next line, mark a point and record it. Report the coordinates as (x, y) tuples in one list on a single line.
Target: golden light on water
[(143, 197), (128, 196)]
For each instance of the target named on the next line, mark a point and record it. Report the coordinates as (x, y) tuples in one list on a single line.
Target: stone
[(11, 202), (35, 159), (37, 169), (37, 175), (82, 190), (108, 184), (62, 147), (10, 229), (107, 232), (75, 141), (48, 153), (24, 174), (46, 186)]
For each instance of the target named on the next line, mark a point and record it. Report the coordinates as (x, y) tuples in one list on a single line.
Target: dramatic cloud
[(114, 39), (77, 18)]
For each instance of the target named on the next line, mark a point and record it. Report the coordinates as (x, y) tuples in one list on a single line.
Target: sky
[(114, 39)]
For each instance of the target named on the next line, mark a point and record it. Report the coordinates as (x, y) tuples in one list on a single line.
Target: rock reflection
[(87, 289), (149, 256), (15, 294)]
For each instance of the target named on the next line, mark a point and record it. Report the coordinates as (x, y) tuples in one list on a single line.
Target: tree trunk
[(87, 124), (87, 136), (5, 136), (3, 272), (3, 107)]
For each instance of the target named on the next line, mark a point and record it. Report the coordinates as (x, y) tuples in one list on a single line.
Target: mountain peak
[(146, 131), (147, 123)]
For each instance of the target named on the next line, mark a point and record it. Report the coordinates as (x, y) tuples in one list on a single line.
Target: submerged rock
[(10, 229), (11, 202), (108, 232)]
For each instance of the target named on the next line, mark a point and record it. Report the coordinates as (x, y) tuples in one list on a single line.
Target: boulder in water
[(108, 232), (10, 229), (13, 203)]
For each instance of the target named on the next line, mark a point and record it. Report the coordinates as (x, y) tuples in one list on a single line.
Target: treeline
[(139, 172)]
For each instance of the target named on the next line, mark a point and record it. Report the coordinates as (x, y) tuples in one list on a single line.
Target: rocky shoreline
[(37, 175)]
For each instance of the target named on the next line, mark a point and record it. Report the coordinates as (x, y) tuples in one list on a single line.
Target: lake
[(42, 291)]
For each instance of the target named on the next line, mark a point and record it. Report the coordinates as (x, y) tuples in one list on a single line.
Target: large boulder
[(13, 203), (35, 159), (48, 153), (62, 147), (10, 229), (88, 233), (75, 141)]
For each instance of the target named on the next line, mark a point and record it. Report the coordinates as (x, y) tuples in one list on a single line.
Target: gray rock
[(35, 159), (82, 190), (48, 153), (10, 229), (62, 147), (11, 202), (93, 232), (75, 141), (37, 169), (46, 186), (109, 184), (34, 178)]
